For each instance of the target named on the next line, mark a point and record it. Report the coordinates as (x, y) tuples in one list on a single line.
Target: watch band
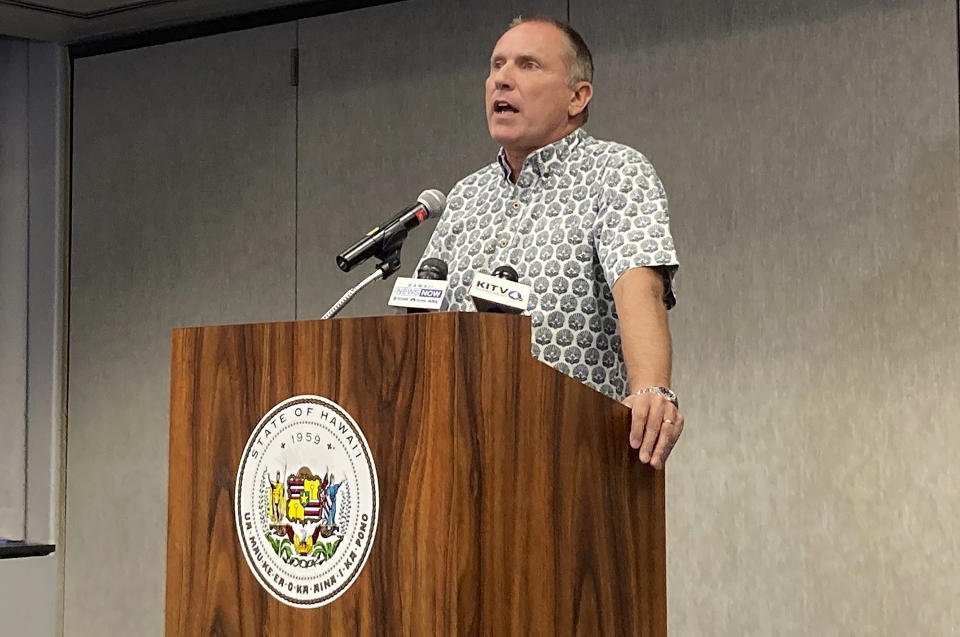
[(666, 392)]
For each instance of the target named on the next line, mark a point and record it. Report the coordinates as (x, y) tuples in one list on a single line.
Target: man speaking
[(584, 222)]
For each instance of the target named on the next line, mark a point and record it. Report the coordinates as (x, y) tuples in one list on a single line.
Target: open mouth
[(503, 106)]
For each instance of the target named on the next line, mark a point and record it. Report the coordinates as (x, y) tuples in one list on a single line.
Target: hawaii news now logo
[(423, 294)]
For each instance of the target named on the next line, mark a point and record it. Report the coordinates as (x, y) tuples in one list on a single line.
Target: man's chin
[(505, 136)]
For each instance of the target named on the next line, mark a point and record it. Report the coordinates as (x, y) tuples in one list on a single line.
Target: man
[(584, 222)]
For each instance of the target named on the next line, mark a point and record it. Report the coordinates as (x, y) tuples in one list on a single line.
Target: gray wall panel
[(810, 151), (31, 92), (391, 103), (28, 605), (49, 68), (14, 185), (183, 214)]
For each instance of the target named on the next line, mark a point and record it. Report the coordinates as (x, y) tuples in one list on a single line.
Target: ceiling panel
[(71, 21), (81, 7)]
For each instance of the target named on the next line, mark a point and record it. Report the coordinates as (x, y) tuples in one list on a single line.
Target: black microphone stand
[(389, 255)]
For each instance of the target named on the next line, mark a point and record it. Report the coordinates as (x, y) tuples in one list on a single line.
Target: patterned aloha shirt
[(583, 212)]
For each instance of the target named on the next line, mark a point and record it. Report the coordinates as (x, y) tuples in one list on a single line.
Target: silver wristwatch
[(666, 392)]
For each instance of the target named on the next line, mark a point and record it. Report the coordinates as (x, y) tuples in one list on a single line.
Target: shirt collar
[(542, 159)]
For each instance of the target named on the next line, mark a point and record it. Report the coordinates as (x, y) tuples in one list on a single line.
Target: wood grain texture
[(510, 504), (567, 524)]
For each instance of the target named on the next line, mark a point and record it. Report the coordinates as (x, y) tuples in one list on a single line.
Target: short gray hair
[(579, 62)]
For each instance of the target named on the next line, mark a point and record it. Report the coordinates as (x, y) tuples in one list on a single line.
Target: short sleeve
[(632, 226)]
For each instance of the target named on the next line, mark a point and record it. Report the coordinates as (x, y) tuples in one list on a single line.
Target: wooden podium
[(510, 500)]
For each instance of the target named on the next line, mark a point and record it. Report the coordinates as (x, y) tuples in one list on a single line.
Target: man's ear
[(582, 93)]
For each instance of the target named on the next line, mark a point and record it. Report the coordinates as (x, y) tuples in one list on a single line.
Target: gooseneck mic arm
[(381, 272)]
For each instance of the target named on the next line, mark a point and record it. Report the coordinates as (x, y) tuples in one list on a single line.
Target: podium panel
[(509, 500)]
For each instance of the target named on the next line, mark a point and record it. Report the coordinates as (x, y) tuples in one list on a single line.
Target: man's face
[(527, 95)]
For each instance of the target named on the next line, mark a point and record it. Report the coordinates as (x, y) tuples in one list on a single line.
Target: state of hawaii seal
[(306, 501)]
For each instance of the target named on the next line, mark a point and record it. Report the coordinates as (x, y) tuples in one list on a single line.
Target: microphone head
[(434, 201), (433, 269), (506, 272)]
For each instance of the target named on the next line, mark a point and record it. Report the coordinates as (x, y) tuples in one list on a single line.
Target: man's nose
[(503, 78)]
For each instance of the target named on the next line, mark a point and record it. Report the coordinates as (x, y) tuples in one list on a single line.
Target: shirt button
[(516, 205), (503, 243)]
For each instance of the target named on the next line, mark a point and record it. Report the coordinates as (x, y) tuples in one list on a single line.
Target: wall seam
[(66, 244), (26, 298), (296, 178)]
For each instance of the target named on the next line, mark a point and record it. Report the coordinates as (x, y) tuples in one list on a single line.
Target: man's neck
[(516, 157)]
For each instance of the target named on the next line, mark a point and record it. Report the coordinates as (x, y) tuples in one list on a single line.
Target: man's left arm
[(647, 350)]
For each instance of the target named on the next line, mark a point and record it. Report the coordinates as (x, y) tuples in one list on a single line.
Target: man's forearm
[(644, 328)]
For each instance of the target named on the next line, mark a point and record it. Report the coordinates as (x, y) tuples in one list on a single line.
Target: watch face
[(668, 393)]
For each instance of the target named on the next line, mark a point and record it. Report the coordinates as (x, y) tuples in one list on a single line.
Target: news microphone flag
[(420, 294), (496, 294)]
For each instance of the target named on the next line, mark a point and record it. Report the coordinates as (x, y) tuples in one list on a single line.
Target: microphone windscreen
[(434, 201), (433, 269), (506, 272)]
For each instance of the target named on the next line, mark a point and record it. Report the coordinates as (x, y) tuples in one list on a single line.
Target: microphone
[(383, 241), (425, 292), (433, 270), (500, 292)]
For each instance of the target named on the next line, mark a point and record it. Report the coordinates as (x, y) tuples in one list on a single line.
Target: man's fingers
[(669, 434), (638, 419), (651, 429)]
